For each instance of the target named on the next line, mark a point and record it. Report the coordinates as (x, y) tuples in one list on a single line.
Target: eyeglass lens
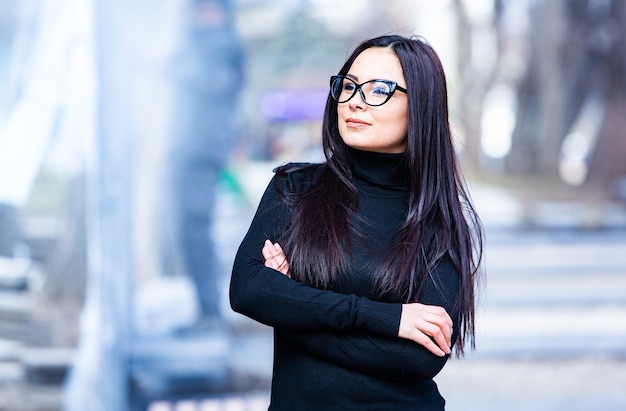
[(373, 92)]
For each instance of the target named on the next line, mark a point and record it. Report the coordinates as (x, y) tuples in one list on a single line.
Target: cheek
[(398, 124), (404, 129), (341, 111), (403, 123)]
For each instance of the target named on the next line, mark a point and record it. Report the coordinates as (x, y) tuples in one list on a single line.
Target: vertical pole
[(114, 150), (99, 378)]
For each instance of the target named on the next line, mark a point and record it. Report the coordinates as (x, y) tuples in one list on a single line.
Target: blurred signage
[(294, 105)]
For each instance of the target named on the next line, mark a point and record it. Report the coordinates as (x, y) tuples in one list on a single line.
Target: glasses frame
[(393, 86)]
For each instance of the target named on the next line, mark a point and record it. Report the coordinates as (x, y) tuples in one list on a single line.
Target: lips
[(355, 122)]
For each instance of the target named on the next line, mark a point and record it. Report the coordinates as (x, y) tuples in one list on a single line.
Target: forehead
[(377, 63)]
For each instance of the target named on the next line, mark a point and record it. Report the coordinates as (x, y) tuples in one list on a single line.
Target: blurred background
[(136, 139)]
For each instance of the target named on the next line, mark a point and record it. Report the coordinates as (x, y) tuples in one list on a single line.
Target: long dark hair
[(441, 221)]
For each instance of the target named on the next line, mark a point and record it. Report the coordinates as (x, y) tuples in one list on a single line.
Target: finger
[(279, 255), (427, 343), (438, 335), (441, 318), (270, 260), (443, 327), (440, 312), (267, 253), (445, 337), (271, 251), (278, 252), (282, 263), (275, 257), (284, 268), (279, 249)]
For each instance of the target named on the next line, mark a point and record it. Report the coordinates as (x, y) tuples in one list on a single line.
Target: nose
[(357, 102)]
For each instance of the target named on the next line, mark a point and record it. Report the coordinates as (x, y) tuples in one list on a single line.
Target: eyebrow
[(353, 77)]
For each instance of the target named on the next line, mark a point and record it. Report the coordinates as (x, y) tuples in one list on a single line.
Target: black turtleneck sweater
[(338, 349)]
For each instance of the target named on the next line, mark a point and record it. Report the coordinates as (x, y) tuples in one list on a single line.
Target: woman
[(381, 244)]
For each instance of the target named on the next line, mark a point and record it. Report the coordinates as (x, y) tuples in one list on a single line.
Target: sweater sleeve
[(391, 357), (380, 355), (271, 298)]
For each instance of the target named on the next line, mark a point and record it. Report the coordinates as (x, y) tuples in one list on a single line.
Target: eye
[(348, 86), (381, 88)]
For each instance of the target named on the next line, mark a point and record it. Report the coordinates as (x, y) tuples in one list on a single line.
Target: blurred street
[(139, 103)]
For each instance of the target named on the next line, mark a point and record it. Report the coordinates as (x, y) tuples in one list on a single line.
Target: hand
[(275, 257), (420, 322)]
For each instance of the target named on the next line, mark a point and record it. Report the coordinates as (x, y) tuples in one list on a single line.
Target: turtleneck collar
[(380, 170)]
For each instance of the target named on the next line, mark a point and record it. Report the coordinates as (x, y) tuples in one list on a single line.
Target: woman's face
[(381, 129)]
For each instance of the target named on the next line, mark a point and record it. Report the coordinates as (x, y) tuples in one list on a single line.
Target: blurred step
[(38, 365), (13, 330), (14, 273), (553, 295), (584, 288), (580, 384), (42, 234), (544, 257), (15, 314), (577, 214), (552, 332), (251, 401), (9, 350), (45, 365), (11, 371), (16, 306), (179, 364)]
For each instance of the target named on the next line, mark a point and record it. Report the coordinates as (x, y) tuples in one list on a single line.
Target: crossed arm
[(353, 331), (427, 325)]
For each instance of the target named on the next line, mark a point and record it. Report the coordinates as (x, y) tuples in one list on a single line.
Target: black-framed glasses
[(373, 92)]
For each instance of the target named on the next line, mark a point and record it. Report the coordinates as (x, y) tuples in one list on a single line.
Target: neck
[(379, 169)]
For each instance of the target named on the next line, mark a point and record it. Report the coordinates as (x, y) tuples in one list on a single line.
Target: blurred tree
[(600, 34), (476, 82), (541, 94), (577, 53)]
